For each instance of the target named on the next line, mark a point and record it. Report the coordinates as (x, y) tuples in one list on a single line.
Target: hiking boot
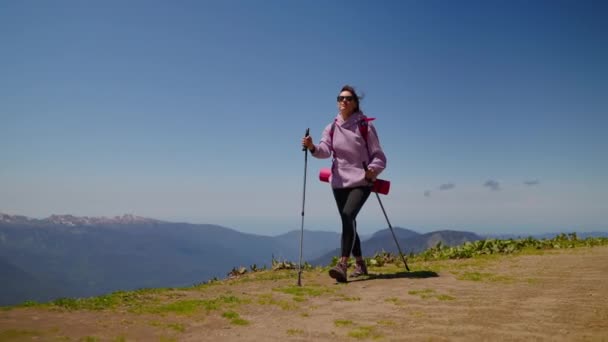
[(360, 269), (338, 272)]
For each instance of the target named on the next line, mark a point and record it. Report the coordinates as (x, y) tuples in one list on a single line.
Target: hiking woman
[(351, 140)]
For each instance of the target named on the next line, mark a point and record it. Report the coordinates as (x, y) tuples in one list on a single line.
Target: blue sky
[(193, 110)]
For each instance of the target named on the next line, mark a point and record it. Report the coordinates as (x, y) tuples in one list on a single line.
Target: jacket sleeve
[(324, 147), (376, 155)]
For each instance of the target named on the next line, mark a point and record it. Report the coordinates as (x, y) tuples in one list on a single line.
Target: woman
[(344, 140)]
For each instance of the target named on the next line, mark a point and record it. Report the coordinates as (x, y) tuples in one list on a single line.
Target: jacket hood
[(352, 120)]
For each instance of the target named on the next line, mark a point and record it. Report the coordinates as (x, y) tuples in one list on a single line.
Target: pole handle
[(305, 135), (365, 168)]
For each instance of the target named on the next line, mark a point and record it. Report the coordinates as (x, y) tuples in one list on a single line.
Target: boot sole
[(337, 275)]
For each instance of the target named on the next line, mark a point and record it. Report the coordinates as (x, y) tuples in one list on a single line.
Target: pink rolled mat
[(380, 186)]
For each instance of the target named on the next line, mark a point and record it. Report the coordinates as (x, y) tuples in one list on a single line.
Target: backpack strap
[(363, 126), (363, 129), (331, 131)]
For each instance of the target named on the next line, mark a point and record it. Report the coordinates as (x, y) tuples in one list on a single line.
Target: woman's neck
[(346, 115)]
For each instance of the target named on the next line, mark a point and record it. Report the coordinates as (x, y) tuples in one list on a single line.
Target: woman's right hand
[(307, 142)]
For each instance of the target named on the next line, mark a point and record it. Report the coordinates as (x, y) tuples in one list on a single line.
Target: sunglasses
[(345, 98)]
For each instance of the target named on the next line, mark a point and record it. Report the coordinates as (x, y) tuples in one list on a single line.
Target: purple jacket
[(349, 150)]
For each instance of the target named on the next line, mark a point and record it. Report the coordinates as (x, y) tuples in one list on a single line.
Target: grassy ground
[(547, 294)]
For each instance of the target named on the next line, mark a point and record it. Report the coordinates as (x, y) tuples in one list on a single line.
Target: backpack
[(363, 129)]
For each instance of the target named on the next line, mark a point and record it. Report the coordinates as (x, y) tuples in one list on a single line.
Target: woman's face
[(346, 102)]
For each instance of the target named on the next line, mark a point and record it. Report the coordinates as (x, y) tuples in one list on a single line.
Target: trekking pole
[(391, 227), (305, 149)]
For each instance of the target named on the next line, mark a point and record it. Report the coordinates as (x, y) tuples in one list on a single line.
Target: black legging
[(350, 201)]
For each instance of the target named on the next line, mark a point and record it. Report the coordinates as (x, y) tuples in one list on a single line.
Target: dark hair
[(352, 91)]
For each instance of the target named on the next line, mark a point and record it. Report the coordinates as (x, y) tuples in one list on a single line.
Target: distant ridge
[(400, 233), (70, 220)]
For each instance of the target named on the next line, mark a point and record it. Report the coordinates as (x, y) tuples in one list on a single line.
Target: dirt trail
[(559, 295)]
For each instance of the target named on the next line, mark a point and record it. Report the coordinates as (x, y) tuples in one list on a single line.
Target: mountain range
[(70, 256)]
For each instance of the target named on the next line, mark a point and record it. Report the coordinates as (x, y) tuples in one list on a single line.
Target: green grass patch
[(19, 334), (418, 314), (343, 323), (445, 297), (393, 300), (234, 318), (204, 286), (311, 291), (295, 332), (510, 246), (187, 307), (472, 276), (479, 276), (130, 299), (346, 298), (533, 251), (268, 299), (175, 295), (239, 321), (29, 303), (478, 262), (455, 266), (173, 326), (424, 294), (167, 339), (177, 327), (387, 323), (89, 339), (478, 253), (268, 275), (532, 281), (95, 303), (126, 322), (155, 323), (430, 293), (230, 315), (301, 293), (364, 332), (423, 265)]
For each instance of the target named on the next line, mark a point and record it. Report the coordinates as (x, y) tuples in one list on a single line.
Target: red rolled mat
[(381, 186), (325, 175)]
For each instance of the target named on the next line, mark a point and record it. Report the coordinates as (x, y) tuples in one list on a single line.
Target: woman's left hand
[(370, 175)]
